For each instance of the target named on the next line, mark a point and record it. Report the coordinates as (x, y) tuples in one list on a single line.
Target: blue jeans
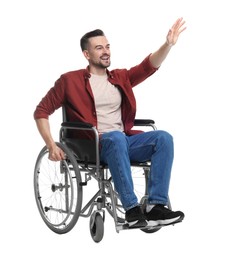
[(117, 150)]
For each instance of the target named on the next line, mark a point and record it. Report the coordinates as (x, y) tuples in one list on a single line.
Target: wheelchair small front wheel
[(96, 226), (151, 230)]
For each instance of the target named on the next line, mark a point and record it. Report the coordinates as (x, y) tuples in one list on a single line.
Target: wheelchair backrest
[(76, 136)]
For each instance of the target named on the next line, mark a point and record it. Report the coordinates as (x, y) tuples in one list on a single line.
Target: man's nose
[(106, 50)]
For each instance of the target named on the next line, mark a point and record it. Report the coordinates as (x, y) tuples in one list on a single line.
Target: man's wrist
[(169, 44)]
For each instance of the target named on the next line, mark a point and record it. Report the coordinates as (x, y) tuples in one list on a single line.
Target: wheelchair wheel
[(96, 226), (140, 175), (58, 192), (151, 230), (140, 178)]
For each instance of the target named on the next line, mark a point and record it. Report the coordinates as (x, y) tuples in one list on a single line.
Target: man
[(105, 99)]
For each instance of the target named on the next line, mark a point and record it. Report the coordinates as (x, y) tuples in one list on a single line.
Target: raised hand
[(175, 31)]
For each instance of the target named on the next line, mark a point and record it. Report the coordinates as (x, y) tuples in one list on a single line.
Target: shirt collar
[(87, 74)]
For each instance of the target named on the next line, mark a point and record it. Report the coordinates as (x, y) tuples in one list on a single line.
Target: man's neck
[(97, 71)]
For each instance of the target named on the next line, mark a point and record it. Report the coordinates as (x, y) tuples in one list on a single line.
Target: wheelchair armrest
[(137, 122), (144, 122), (76, 125)]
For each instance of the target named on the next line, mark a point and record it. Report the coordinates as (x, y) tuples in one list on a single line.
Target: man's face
[(98, 52)]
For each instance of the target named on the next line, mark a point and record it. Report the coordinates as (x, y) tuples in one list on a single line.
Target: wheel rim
[(54, 191)]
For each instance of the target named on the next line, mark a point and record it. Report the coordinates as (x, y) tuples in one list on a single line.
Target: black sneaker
[(135, 218), (161, 215)]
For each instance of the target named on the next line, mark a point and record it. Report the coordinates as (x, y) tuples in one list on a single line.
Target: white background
[(40, 41)]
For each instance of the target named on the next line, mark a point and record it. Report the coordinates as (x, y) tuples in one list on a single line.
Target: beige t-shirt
[(108, 104)]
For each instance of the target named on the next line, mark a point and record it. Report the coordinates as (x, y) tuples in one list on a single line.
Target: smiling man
[(105, 99), (96, 51)]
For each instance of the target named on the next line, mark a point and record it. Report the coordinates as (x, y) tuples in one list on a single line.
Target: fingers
[(56, 154), (179, 25), (175, 31)]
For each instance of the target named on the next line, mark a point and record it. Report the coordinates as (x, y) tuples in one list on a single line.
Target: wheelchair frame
[(59, 186)]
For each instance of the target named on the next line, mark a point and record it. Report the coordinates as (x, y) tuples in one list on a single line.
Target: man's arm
[(156, 58), (55, 153)]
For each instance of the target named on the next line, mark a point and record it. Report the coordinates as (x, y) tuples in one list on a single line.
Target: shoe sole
[(165, 222), (137, 224)]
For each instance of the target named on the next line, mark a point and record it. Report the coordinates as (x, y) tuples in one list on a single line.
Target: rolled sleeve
[(141, 72), (52, 101)]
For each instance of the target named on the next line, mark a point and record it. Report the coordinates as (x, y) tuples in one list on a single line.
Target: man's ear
[(86, 54)]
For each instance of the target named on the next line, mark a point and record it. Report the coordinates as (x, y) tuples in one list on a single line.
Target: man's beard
[(101, 65), (104, 66)]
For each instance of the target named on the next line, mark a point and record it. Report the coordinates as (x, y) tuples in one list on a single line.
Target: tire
[(58, 192), (151, 230), (96, 226)]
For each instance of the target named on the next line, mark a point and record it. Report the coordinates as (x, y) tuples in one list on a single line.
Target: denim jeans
[(117, 150)]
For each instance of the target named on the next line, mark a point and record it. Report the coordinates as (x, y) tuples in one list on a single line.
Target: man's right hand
[(56, 154)]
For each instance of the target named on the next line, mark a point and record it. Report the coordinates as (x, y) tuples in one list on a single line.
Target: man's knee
[(159, 136), (165, 137), (165, 141)]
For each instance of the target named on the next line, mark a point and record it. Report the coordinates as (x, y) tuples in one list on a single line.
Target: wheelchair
[(60, 187)]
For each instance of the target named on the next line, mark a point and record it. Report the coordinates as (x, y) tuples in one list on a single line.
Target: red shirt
[(73, 91)]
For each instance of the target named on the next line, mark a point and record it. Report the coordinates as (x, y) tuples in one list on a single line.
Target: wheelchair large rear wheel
[(58, 190), (140, 176)]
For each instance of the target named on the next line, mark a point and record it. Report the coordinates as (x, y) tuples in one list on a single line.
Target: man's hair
[(85, 38)]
